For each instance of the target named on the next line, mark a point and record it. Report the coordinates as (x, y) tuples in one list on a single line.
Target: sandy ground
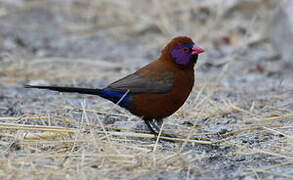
[(236, 124)]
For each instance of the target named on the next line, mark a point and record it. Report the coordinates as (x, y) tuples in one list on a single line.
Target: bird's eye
[(186, 49)]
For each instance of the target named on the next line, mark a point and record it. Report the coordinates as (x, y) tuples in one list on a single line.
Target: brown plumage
[(161, 105), (158, 89)]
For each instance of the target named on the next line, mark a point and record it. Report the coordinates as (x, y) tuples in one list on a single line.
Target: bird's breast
[(157, 106)]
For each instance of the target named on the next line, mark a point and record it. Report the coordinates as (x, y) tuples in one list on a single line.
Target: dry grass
[(84, 150), (73, 141)]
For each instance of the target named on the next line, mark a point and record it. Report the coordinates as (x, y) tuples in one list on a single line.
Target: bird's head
[(182, 50)]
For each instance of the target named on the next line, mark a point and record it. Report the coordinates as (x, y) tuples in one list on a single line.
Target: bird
[(154, 91)]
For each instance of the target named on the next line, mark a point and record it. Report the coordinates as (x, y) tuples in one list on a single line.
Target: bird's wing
[(146, 80)]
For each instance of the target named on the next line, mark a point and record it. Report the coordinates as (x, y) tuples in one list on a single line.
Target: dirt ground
[(236, 124)]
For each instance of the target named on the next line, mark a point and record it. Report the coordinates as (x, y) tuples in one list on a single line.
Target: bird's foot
[(156, 130)]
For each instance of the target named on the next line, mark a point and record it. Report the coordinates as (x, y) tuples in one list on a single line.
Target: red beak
[(197, 50)]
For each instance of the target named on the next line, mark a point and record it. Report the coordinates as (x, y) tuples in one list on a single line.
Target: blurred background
[(245, 75), (92, 43)]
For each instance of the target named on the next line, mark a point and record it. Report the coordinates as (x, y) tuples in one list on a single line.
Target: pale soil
[(241, 106)]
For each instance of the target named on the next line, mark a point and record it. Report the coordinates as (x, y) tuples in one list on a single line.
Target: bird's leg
[(157, 124), (148, 123)]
